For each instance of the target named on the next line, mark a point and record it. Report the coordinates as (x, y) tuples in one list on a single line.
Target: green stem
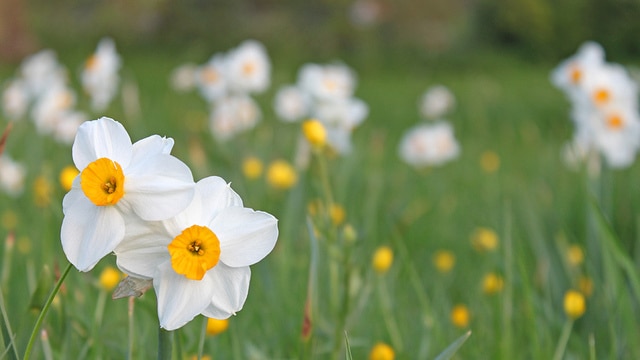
[(564, 338), (43, 313), (131, 327), (203, 333), (165, 344)]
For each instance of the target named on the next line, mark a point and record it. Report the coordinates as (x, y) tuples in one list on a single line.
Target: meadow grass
[(534, 203)]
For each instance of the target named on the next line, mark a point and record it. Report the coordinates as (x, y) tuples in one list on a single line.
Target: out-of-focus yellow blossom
[(382, 351), (24, 245), (204, 357), (492, 283), (575, 255), (337, 214), (585, 284), (314, 132), (9, 220), (444, 261), (281, 175), (67, 175), (382, 259), (42, 190), (460, 316), (574, 304), (216, 326), (484, 239), (314, 207), (252, 167), (489, 161), (109, 278)]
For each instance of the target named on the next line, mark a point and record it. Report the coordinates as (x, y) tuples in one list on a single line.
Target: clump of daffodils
[(431, 143), (227, 81), (193, 241), (604, 107), (325, 93)]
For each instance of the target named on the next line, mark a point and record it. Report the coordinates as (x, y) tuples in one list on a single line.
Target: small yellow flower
[(484, 239), (460, 316), (489, 161), (585, 284), (204, 357), (382, 259), (216, 326), (574, 304), (42, 190), (314, 132), (109, 278), (444, 260), (67, 175), (281, 175), (492, 283), (24, 245), (252, 167), (575, 255), (337, 214), (382, 351)]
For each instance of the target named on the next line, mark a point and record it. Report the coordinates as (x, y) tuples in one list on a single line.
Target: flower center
[(210, 76), (195, 251), (601, 96), (575, 74), (615, 122), (248, 68), (102, 181), (91, 63)]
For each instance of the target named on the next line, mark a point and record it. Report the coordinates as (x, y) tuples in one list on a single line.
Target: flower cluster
[(325, 93), (193, 241), (226, 82), (42, 90), (604, 102)]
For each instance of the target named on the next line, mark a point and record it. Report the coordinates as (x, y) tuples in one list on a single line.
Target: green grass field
[(533, 202)]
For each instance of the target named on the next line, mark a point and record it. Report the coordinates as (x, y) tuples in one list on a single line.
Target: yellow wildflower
[(216, 326), (67, 175), (460, 316), (489, 161), (337, 214), (382, 259), (444, 260), (575, 255), (382, 351), (484, 239), (252, 167), (109, 278), (574, 304), (314, 132), (281, 175), (492, 283)]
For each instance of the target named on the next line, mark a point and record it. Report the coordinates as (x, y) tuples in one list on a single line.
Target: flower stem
[(44, 311), (564, 338), (165, 344)]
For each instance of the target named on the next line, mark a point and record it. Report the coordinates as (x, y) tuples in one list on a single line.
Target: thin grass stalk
[(7, 325), (564, 338), (165, 344), (43, 313), (131, 304), (203, 334)]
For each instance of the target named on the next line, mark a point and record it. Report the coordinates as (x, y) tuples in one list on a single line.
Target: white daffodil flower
[(248, 68), (118, 179), (429, 144), (100, 74), (199, 261)]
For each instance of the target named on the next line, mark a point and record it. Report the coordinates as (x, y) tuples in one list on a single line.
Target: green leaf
[(453, 347)]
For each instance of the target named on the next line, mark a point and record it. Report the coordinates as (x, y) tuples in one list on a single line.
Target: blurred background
[(371, 30)]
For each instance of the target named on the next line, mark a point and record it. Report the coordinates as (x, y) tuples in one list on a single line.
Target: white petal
[(143, 248), (180, 299), (161, 187), (89, 232), (154, 144), (246, 236), (232, 288), (212, 195), (101, 138)]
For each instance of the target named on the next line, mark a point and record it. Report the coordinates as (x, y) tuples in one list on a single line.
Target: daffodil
[(118, 180), (199, 261)]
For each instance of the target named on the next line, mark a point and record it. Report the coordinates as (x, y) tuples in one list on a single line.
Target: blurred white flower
[(291, 104), (199, 260), (100, 78), (570, 73), (47, 109), (233, 115), (327, 82), (67, 125), (118, 180), (15, 99), (183, 78), (211, 79), (429, 145), (12, 176), (340, 118), (436, 102), (41, 71), (248, 69)]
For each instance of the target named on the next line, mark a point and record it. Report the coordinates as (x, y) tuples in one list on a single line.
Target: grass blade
[(453, 347)]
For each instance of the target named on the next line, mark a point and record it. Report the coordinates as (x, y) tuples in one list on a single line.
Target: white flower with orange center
[(571, 73), (248, 68), (199, 261), (118, 180), (210, 78), (429, 145), (100, 74)]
